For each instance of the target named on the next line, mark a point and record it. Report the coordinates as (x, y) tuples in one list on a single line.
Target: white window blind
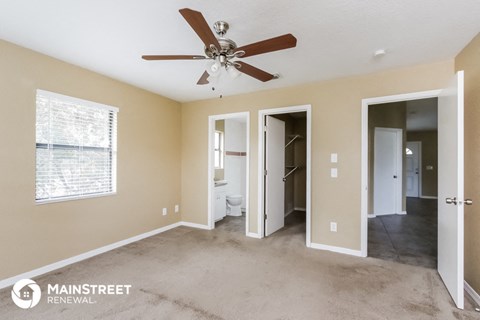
[(76, 148)]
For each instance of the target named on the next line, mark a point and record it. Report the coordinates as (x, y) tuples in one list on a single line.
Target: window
[(218, 150), (408, 151), (76, 148)]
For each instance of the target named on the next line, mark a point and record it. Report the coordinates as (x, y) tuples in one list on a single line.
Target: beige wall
[(387, 115), (336, 127), (149, 128), (429, 140), (469, 61)]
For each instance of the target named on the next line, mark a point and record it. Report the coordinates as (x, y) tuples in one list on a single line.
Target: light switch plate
[(164, 211), (334, 158), (333, 226), (334, 172), (177, 208)]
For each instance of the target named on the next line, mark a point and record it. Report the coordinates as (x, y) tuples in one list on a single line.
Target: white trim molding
[(364, 157), (372, 215), (63, 263), (195, 225), (356, 253), (472, 293), (253, 235), (403, 213)]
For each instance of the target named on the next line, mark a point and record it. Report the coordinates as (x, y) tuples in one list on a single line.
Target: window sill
[(47, 201)]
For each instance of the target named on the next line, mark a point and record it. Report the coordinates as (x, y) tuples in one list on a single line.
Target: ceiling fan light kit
[(222, 51)]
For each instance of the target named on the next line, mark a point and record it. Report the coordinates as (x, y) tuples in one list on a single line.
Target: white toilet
[(234, 202)]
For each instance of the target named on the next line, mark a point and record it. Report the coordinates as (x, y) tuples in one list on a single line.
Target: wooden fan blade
[(253, 71), (172, 57), (198, 23), (204, 78), (278, 43)]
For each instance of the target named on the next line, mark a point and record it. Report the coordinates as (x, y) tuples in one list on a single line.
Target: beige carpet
[(194, 274)]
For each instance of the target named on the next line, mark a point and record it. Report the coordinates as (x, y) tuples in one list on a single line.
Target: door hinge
[(265, 216), (264, 172)]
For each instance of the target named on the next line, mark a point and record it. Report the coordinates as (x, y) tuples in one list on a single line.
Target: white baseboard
[(253, 235), (371, 215), (428, 197), (195, 225), (63, 263), (351, 252), (472, 293), (403, 213)]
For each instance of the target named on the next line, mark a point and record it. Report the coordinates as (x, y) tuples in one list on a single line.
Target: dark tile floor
[(409, 239)]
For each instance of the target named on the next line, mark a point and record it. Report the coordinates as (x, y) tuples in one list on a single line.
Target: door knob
[(451, 200), (468, 202)]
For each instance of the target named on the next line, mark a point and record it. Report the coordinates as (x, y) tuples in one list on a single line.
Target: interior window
[(218, 150)]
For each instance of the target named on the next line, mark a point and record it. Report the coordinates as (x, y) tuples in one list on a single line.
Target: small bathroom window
[(219, 149)]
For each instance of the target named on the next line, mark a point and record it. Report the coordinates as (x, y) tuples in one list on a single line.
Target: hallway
[(409, 239)]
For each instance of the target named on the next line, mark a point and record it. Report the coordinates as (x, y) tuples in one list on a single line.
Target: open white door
[(413, 168), (387, 171), (450, 188), (275, 170)]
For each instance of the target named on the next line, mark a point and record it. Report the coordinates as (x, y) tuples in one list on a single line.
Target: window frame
[(113, 149), (220, 149)]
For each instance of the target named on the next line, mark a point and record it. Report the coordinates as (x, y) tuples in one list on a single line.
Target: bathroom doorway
[(284, 171), (228, 171)]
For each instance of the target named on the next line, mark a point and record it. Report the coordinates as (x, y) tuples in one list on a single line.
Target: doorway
[(450, 180), (387, 171), (403, 226), (278, 170), (228, 171)]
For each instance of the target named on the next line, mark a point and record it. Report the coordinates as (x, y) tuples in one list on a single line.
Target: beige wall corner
[(148, 170), (336, 128), (469, 61)]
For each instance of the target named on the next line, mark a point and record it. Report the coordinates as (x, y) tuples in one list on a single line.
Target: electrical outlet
[(333, 226), (177, 208), (164, 211)]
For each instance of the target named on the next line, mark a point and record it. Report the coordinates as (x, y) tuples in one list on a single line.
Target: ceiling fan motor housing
[(227, 46)]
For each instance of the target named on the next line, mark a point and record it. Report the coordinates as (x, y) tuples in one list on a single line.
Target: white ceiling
[(422, 115), (335, 38)]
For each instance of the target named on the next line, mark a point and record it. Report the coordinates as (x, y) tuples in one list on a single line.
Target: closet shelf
[(290, 172), (293, 137)]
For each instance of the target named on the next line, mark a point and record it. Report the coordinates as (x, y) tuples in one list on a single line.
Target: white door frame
[(211, 169), (420, 166), (364, 161), (399, 168), (261, 164)]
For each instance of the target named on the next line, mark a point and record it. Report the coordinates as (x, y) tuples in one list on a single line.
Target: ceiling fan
[(222, 51)]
